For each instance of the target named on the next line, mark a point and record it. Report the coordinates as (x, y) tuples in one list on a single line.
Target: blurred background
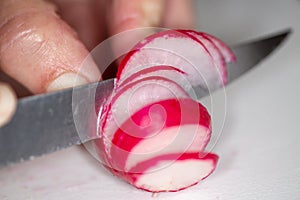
[(248, 19)]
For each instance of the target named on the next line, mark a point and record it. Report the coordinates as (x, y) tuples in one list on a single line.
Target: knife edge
[(45, 123)]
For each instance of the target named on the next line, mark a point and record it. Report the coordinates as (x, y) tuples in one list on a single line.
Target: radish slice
[(175, 49), (133, 97), (214, 51), (136, 95), (224, 49), (164, 127), (166, 137), (172, 172)]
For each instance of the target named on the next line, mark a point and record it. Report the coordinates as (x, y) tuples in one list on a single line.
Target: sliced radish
[(214, 51), (175, 49), (225, 50), (153, 134), (164, 127), (133, 97), (167, 137), (172, 172)]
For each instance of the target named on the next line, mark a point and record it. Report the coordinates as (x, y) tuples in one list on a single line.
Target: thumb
[(7, 103), (39, 49)]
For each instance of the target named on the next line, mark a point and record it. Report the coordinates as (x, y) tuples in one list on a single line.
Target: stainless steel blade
[(251, 53), (45, 123)]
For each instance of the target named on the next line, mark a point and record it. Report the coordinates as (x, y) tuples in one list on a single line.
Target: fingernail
[(8, 103), (66, 80)]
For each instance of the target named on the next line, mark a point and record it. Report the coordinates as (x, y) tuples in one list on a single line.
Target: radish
[(162, 132), (168, 126), (162, 174), (176, 49), (153, 134), (133, 96), (225, 50), (221, 46), (213, 50)]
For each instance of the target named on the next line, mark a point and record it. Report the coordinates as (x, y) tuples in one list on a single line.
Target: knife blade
[(46, 123)]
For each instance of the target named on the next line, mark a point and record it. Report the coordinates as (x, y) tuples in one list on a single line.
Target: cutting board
[(256, 125)]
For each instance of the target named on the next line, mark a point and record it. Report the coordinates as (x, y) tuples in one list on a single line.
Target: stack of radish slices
[(153, 134)]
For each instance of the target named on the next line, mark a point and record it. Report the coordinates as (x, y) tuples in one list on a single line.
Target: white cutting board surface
[(259, 144)]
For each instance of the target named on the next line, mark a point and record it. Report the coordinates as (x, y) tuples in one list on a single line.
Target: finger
[(86, 17), (8, 103), (125, 15), (40, 50), (179, 14)]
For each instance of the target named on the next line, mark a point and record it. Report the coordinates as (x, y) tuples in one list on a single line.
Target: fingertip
[(8, 103)]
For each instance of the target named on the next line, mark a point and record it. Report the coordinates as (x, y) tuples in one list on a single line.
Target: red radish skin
[(153, 134)]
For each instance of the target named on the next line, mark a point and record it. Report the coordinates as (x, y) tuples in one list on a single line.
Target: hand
[(40, 50)]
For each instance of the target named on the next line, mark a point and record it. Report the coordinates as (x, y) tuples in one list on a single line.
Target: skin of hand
[(43, 42)]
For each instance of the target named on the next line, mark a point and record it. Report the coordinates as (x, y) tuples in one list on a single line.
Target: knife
[(46, 123)]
